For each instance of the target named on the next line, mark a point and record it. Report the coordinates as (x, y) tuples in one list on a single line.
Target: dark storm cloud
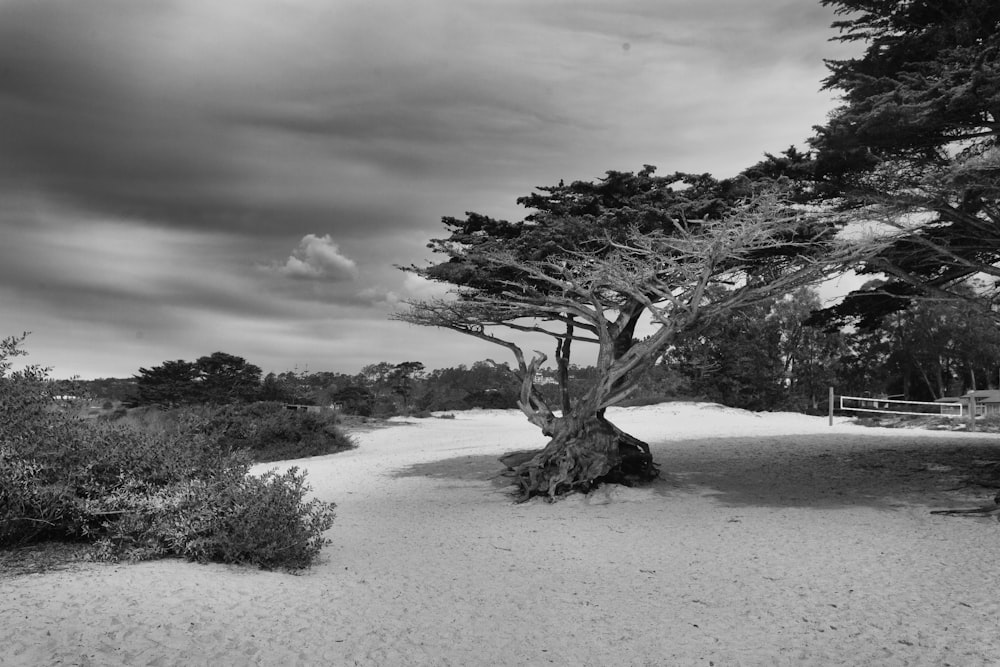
[(88, 270), (156, 111), (250, 171), (103, 111), (735, 33), (107, 106), (86, 119)]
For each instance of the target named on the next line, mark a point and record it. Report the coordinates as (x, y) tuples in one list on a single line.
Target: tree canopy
[(929, 80), (914, 144), (218, 378)]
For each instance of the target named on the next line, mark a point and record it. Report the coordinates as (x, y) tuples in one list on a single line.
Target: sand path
[(772, 539)]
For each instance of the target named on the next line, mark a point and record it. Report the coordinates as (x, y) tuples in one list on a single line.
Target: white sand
[(772, 539)]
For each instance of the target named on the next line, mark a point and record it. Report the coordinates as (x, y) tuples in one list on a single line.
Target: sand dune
[(772, 539)]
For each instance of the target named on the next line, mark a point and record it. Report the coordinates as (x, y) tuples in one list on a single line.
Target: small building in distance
[(310, 408), (987, 403)]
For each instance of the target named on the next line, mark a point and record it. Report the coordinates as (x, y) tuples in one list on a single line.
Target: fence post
[(972, 413), (831, 406)]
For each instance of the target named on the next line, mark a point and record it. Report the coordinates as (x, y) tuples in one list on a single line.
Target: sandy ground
[(772, 539)]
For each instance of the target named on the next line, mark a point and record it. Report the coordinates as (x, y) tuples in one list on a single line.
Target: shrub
[(270, 432), (174, 490), (230, 518)]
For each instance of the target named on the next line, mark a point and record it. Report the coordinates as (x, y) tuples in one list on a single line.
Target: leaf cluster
[(929, 79), (579, 217)]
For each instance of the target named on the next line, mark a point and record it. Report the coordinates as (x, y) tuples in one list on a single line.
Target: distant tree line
[(763, 357), (380, 389)]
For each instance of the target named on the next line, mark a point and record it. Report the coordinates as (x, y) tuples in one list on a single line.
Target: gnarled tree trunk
[(585, 448), (583, 453)]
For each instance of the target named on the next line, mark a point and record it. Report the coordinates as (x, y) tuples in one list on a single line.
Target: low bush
[(231, 518), (271, 432), (177, 490), (268, 430)]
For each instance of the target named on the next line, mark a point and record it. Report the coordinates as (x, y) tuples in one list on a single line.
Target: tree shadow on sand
[(479, 468), (811, 471), (826, 472)]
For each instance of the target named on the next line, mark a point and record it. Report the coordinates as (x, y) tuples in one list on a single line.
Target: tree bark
[(583, 453)]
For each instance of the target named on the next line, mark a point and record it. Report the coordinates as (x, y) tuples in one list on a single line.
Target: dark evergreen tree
[(218, 379), (734, 360), (355, 400), (915, 142), (225, 378), (170, 384)]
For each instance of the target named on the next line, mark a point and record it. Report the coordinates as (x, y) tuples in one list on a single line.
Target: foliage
[(763, 357), (271, 432), (170, 384), (267, 431), (929, 79), (914, 144), (734, 360), (225, 378), (482, 385), (585, 217), (231, 517), (402, 380), (115, 390), (141, 493), (378, 379), (217, 379), (273, 389), (931, 350), (355, 400), (392, 388), (812, 356)]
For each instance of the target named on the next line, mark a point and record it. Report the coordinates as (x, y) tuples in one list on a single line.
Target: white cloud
[(420, 288), (317, 258), (414, 288)]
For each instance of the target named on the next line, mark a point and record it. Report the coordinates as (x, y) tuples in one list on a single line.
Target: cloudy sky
[(179, 177)]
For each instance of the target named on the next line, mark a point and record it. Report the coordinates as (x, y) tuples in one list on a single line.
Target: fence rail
[(895, 407)]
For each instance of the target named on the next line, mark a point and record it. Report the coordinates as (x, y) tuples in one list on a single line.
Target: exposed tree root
[(579, 458)]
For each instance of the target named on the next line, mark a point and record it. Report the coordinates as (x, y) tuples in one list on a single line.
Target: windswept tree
[(589, 263)]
